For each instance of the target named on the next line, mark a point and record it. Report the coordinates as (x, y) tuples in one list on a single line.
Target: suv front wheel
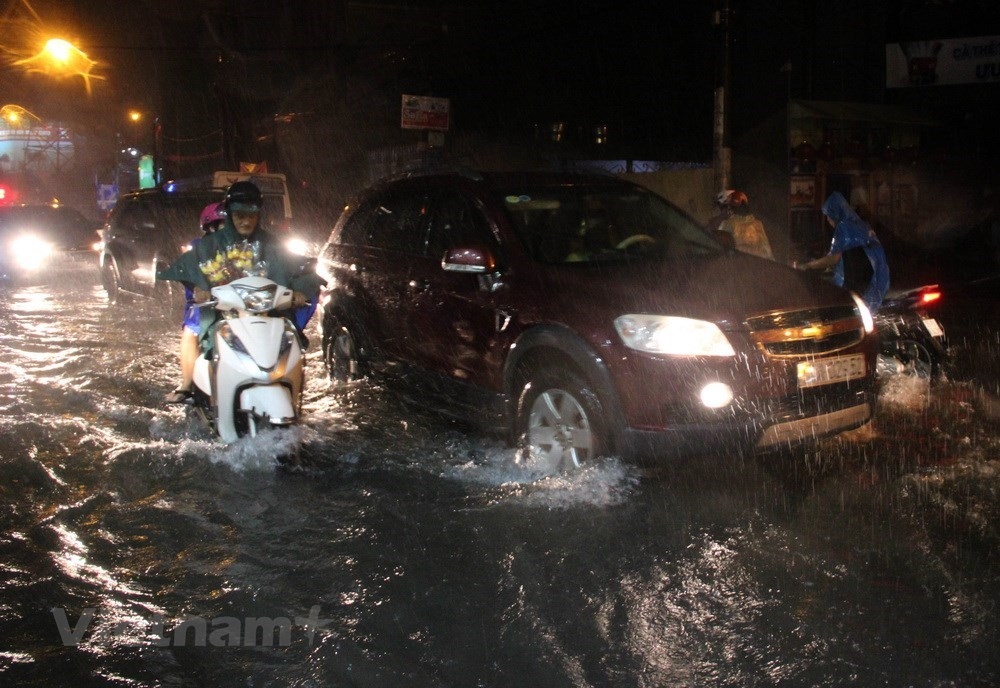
[(112, 282), (560, 421), (341, 353)]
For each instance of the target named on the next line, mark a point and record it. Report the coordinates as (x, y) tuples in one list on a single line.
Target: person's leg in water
[(189, 351)]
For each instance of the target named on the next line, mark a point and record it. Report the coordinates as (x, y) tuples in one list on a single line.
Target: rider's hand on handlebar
[(299, 299), (202, 295)]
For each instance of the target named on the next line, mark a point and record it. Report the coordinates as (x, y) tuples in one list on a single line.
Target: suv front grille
[(810, 332)]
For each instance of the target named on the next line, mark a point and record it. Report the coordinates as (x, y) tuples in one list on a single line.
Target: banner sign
[(943, 62), (425, 112)]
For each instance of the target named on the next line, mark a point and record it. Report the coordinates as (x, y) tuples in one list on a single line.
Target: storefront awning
[(859, 112)]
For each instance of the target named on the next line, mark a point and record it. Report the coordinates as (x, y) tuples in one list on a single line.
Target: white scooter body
[(255, 376)]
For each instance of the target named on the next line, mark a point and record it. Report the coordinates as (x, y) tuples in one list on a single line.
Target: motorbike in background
[(911, 339), (253, 377)]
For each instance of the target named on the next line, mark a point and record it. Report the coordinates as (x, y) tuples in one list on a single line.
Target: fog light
[(716, 395)]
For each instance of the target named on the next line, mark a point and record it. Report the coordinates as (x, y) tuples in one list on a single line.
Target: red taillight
[(929, 296)]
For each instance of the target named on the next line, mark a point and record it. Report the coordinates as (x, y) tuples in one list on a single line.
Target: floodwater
[(406, 552)]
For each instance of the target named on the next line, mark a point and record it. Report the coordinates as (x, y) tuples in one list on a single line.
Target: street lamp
[(14, 115), (59, 57), (136, 117)]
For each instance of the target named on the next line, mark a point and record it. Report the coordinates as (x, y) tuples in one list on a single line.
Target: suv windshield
[(587, 224)]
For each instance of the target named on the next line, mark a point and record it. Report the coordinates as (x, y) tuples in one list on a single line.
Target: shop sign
[(943, 62), (425, 112)]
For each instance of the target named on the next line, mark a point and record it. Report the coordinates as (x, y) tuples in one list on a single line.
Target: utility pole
[(157, 150), (720, 143)]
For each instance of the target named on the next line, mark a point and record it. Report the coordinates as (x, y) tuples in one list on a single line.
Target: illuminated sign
[(943, 62), (425, 112)]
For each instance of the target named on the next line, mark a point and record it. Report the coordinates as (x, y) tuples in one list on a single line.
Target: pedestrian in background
[(746, 230), (856, 255)]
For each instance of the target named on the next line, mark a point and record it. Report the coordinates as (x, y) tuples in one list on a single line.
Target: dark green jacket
[(281, 266)]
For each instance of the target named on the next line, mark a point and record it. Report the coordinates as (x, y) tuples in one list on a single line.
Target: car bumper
[(767, 431)]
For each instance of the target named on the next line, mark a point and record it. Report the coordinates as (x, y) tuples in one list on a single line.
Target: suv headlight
[(665, 334), (866, 314)]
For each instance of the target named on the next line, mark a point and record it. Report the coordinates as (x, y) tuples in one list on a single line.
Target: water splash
[(604, 483)]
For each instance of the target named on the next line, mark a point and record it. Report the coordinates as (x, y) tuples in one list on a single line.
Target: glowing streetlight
[(59, 57), (15, 115)]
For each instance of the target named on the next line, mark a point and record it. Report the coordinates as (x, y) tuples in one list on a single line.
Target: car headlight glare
[(665, 334), (298, 247), (30, 252)]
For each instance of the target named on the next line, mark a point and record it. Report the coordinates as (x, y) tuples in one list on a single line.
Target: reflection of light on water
[(34, 300), (119, 621), (11, 658), (688, 619)]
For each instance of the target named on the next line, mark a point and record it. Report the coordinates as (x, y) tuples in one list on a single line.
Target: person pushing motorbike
[(856, 255)]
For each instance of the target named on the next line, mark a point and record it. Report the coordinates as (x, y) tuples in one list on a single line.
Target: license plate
[(827, 371), (933, 328)]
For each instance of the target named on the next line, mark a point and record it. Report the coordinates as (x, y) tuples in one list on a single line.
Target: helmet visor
[(245, 208)]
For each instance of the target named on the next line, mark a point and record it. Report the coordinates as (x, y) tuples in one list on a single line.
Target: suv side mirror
[(470, 259)]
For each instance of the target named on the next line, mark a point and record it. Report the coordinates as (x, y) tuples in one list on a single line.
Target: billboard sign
[(943, 62), (425, 112)]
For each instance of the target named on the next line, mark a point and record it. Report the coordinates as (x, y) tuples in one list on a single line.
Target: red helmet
[(211, 216), (732, 198)]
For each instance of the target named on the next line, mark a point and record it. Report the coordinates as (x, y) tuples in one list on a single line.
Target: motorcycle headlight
[(664, 334), (30, 251), (257, 300)]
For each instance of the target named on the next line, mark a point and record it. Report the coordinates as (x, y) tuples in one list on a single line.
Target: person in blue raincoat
[(238, 248), (856, 255)]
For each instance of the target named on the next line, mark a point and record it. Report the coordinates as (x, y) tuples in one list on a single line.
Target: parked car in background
[(145, 232), (583, 315), (38, 242)]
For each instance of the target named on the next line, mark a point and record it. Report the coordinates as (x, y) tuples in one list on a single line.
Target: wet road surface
[(408, 552)]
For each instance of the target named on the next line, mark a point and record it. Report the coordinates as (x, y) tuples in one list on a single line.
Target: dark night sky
[(627, 65), (644, 68)]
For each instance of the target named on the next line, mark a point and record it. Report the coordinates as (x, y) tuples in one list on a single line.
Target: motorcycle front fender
[(273, 401)]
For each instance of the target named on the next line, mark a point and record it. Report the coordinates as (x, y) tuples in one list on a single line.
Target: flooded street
[(139, 552)]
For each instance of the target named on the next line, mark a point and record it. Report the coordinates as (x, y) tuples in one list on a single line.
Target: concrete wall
[(691, 189)]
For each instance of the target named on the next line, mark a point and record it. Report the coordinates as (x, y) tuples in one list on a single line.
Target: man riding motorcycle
[(241, 247)]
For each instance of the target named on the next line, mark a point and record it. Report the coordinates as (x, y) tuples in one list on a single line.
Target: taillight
[(929, 296)]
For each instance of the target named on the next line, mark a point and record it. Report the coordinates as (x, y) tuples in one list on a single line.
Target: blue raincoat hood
[(851, 232), (838, 209)]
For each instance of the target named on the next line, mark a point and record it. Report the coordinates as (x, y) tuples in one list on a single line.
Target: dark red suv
[(583, 315)]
